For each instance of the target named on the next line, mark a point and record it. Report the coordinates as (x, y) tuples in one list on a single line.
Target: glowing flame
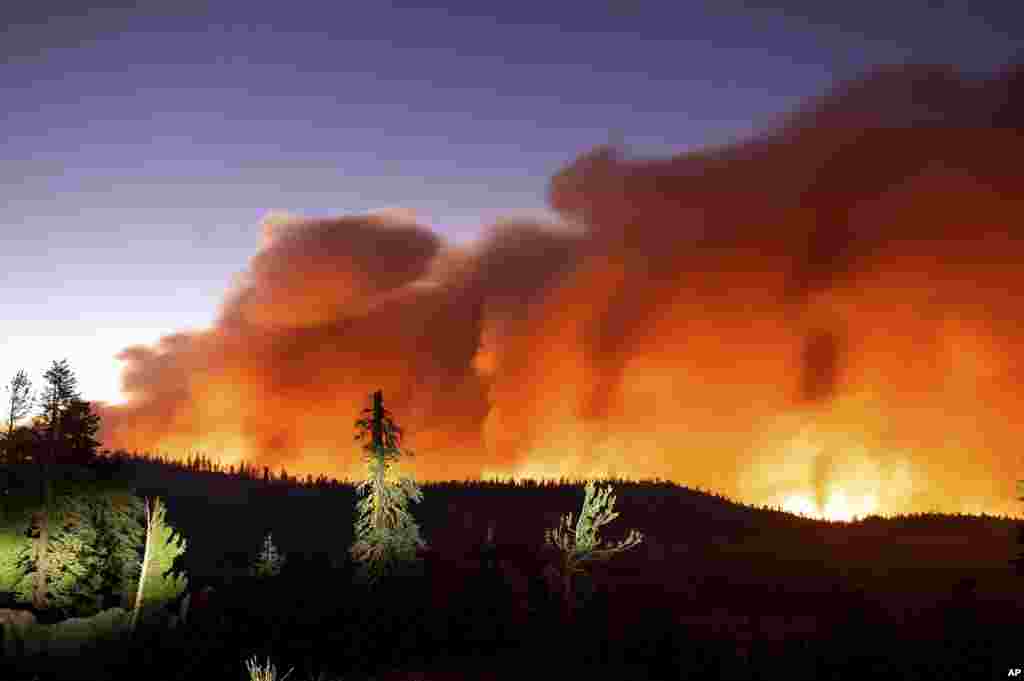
[(800, 504), (839, 506), (552, 472)]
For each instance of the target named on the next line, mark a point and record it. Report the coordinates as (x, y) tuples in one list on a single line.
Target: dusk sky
[(145, 145), (148, 154)]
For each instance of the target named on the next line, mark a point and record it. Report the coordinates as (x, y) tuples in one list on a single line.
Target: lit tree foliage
[(270, 561), (90, 554), (583, 545), (57, 396), (72, 571), (387, 536), (158, 581)]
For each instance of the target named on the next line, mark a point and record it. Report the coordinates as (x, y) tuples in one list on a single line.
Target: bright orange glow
[(825, 318), (838, 506)]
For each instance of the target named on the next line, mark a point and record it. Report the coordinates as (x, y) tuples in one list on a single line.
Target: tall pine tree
[(94, 539), (91, 558), (79, 426), (57, 398), (387, 535)]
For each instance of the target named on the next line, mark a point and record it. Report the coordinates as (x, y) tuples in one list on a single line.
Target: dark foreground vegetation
[(717, 590)]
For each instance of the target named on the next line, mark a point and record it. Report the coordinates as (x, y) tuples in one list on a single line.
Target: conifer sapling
[(270, 561), (583, 545)]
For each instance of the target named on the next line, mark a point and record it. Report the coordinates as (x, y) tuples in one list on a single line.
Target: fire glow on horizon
[(823, 318)]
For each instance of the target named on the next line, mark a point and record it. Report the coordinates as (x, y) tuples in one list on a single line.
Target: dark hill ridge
[(715, 581), (689, 535)]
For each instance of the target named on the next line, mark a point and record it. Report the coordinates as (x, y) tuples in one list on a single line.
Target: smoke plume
[(829, 311)]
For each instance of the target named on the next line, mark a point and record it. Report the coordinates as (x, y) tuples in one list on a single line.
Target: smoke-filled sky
[(797, 283)]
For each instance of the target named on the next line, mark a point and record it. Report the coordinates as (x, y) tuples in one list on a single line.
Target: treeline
[(63, 430), (201, 463)]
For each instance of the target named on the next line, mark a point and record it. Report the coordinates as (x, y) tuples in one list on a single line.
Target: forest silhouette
[(716, 589)]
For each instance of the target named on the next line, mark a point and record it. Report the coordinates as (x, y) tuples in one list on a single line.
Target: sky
[(237, 221)]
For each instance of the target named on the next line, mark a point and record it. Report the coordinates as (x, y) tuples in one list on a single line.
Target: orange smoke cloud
[(827, 316)]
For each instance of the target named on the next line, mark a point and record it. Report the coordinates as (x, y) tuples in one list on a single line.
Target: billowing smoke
[(830, 312)]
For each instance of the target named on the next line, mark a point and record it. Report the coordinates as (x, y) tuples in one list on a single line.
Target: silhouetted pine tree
[(79, 426), (1018, 562), (18, 405), (57, 398), (492, 599), (23, 444)]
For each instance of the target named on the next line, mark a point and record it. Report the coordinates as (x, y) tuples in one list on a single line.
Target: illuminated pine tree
[(57, 398), (85, 543), (92, 556), (160, 580), (270, 561), (581, 545), (387, 536)]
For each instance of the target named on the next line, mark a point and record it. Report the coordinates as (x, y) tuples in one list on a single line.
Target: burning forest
[(825, 317)]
